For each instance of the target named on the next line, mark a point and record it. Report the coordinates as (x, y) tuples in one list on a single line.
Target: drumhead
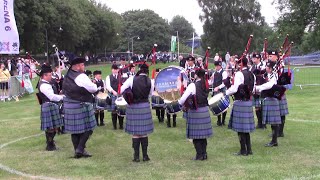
[(215, 98), (120, 101), (168, 82), (102, 95)]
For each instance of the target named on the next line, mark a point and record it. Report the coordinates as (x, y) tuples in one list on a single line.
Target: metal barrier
[(307, 76), (15, 87)]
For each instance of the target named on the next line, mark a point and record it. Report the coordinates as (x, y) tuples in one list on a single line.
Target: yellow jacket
[(4, 75)]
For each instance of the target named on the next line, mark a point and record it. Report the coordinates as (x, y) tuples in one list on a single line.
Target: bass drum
[(169, 81)]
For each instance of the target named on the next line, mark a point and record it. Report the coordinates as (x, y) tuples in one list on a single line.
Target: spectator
[(19, 67), (4, 81), (182, 61), (10, 67), (217, 57), (227, 57)]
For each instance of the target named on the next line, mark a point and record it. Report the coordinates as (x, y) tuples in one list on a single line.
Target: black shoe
[(198, 158), (86, 154), (146, 158), (78, 155), (205, 157), (271, 144), (249, 153), (281, 135), (102, 124), (240, 154), (136, 160)]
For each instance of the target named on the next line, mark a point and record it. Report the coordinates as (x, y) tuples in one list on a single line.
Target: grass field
[(296, 157)]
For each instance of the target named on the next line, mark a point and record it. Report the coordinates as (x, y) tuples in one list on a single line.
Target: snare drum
[(219, 103), (101, 101), (172, 106), (157, 101), (121, 106)]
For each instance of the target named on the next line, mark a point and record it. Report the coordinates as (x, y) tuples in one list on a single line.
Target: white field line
[(19, 173)]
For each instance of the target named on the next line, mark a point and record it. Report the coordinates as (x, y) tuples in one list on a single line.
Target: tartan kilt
[(50, 116), (78, 116), (271, 111), (199, 123), (139, 119), (256, 102), (242, 118), (283, 106)]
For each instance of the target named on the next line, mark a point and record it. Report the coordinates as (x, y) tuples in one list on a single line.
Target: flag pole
[(178, 42), (192, 43)]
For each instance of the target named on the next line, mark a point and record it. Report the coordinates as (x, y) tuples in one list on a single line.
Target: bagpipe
[(228, 82), (284, 78)]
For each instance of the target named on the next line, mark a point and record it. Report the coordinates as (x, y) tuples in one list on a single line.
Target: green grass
[(297, 156)]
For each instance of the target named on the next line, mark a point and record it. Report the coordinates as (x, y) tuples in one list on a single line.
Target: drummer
[(100, 84), (139, 117), (190, 68), (112, 84), (216, 80), (160, 109), (199, 126), (242, 119), (258, 69), (132, 70)]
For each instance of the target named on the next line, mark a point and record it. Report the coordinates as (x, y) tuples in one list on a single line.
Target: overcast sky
[(190, 9)]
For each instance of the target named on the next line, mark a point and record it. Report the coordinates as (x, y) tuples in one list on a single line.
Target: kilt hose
[(242, 118), (256, 102), (271, 111), (139, 119), (283, 106), (199, 123), (78, 116), (50, 116)]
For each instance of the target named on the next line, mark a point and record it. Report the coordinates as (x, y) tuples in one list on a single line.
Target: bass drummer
[(160, 108), (100, 84), (112, 82), (218, 86)]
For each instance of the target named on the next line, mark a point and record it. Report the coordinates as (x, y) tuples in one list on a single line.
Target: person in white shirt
[(242, 118), (227, 57), (113, 81), (190, 68), (216, 80), (258, 69), (78, 106), (216, 57), (138, 113), (270, 104), (48, 98), (199, 126)]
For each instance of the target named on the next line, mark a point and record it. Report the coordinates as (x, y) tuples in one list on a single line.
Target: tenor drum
[(169, 81), (121, 106), (172, 106), (219, 103), (102, 101)]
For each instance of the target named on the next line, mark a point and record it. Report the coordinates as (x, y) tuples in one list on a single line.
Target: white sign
[(9, 36)]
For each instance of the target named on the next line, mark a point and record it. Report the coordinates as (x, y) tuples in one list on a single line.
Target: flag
[(173, 43), (9, 39)]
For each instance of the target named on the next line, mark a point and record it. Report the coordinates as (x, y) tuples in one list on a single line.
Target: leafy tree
[(149, 27), (229, 23), (300, 19), (180, 24)]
